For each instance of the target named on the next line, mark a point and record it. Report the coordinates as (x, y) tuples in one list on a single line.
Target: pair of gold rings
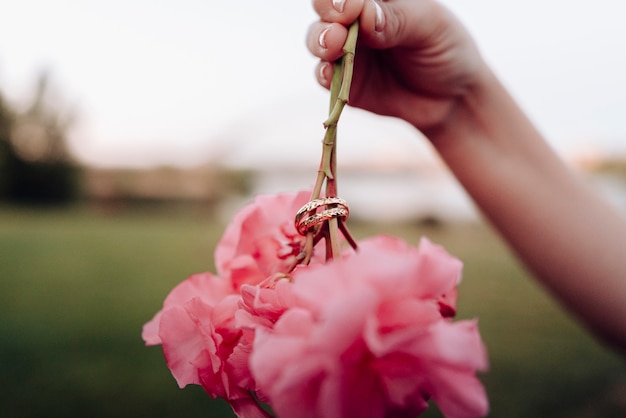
[(308, 216)]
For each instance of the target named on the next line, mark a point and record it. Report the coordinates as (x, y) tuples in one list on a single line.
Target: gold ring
[(316, 203), (340, 210)]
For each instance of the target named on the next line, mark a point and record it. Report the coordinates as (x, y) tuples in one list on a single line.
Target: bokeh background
[(130, 131)]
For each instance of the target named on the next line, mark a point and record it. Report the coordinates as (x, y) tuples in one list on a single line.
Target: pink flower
[(261, 240), (201, 343), (367, 336)]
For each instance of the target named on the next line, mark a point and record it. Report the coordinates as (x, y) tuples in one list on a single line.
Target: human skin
[(417, 62)]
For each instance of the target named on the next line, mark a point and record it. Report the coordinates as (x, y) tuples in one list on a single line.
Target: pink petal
[(344, 319), (427, 272), (223, 314), (439, 272), (269, 303), (150, 330), (399, 323), (273, 349), (187, 343), (454, 343), (295, 322), (226, 248), (459, 394), (238, 366), (244, 269), (402, 379), (352, 389), (205, 286), (248, 408), (451, 356)]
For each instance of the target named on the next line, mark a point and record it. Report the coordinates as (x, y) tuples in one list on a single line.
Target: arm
[(415, 61), (572, 241)]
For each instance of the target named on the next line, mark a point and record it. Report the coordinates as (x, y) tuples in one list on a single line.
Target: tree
[(36, 166)]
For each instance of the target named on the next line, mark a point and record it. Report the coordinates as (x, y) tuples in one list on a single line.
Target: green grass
[(77, 285)]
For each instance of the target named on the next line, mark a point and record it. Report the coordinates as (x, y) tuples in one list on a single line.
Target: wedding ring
[(339, 209), (316, 203)]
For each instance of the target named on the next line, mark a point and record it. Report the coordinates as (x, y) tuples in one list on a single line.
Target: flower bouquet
[(338, 330)]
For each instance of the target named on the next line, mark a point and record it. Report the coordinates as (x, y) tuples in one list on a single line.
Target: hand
[(414, 59)]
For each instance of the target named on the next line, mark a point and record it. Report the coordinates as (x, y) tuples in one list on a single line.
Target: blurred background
[(130, 131)]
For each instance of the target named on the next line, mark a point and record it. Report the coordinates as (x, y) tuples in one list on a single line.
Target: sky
[(183, 82)]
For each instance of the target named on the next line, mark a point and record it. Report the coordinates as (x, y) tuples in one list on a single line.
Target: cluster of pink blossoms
[(367, 335)]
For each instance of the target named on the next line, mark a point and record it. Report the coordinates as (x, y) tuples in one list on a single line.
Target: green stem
[(333, 237), (343, 95), (329, 144), (339, 95)]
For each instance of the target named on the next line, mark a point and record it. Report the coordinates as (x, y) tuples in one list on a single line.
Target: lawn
[(76, 286)]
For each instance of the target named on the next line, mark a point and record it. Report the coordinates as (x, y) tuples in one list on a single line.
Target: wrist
[(471, 113)]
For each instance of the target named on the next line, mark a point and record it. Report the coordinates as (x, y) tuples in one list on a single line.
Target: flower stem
[(339, 95), (333, 249), (347, 65)]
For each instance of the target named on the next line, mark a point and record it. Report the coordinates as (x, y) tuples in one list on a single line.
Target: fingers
[(324, 73), (344, 12), (325, 40), (379, 23), (339, 11), (383, 24)]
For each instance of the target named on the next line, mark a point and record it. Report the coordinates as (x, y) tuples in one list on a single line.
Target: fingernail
[(322, 73), (379, 24), (322, 38), (339, 4)]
